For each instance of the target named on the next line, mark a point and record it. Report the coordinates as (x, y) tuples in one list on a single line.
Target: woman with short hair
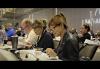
[(45, 39), (68, 48)]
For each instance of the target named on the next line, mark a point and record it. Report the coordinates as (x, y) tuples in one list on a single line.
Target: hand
[(51, 52), (28, 45)]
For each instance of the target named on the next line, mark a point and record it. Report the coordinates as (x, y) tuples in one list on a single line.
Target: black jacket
[(68, 49), (45, 41), (85, 36)]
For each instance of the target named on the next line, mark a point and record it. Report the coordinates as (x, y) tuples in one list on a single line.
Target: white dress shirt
[(31, 38)]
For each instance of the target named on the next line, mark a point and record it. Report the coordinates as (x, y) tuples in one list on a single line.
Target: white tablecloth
[(33, 55)]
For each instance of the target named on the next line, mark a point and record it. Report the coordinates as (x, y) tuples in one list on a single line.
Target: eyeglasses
[(56, 26)]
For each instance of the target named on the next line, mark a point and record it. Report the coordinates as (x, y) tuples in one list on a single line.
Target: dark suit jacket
[(85, 36), (68, 49), (45, 41)]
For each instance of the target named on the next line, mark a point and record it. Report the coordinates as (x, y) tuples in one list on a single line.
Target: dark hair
[(0, 27), (87, 27)]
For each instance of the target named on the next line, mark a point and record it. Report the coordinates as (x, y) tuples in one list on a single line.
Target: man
[(30, 36), (10, 30), (85, 28)]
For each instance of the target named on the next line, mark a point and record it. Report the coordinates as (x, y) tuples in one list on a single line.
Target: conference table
[(28, 55)]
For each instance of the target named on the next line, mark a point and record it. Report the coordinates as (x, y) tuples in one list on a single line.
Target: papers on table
[(33, 55), (92, 42), (5, 47)]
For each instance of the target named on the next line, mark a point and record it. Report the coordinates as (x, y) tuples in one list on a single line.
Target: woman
[(68, 48), (10, 31), (45, 39)]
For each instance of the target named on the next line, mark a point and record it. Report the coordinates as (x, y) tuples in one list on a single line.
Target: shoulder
[(87, 35), (71, 41), (70, 37), (46, 35), (12, 30)]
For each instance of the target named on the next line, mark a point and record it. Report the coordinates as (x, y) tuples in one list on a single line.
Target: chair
[(87, 53), (97, 55), (7, 56)]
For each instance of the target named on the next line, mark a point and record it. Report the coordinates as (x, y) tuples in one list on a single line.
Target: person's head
[(85, 28), (9, 25), (73, 30), (38, 26), (58, 24), (98, 34), (26, 24)]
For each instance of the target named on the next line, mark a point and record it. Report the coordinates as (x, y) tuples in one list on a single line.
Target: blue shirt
[(10, 32)]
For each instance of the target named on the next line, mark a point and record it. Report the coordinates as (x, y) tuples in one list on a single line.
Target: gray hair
[(27, 21)]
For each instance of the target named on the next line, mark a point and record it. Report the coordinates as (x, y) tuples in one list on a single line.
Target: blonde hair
[(38, 24), (58, 19), (8, 25), (27, 21)]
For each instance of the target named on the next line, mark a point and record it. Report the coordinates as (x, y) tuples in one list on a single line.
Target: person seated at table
[(91, 34), (20, 32), (85, 28), (10, 31), (30, 35), (2, 34), (68, 48), (74, 32), (44, 38), (98, 36)]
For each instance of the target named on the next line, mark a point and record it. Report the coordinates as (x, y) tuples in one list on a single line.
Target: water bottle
[(14, 42)]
